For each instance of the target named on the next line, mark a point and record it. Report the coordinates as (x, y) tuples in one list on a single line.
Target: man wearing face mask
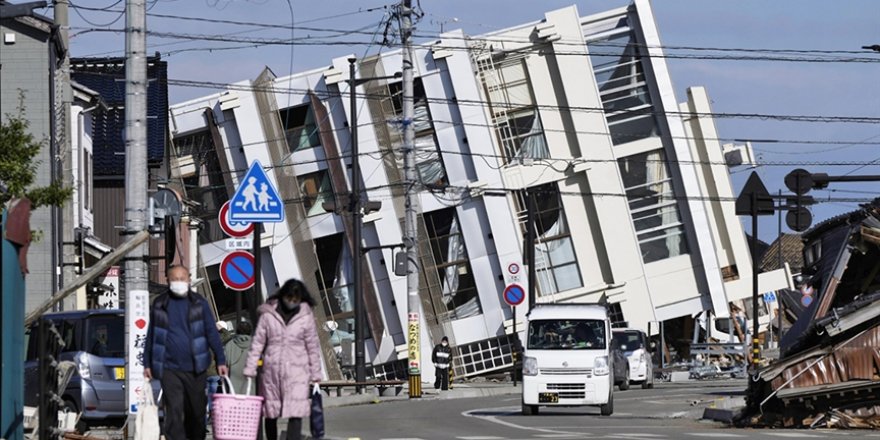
[(181, 332), (442, 356)]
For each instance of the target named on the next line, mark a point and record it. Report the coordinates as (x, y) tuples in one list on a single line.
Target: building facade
[(633, 200)]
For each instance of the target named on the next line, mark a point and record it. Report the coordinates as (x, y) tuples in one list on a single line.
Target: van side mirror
[(652, 345), (623, 347)]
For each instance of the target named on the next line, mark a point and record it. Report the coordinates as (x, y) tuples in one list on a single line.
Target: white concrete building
[(633, 194)]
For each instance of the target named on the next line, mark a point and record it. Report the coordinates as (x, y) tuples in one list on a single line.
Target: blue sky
[(765, 87)]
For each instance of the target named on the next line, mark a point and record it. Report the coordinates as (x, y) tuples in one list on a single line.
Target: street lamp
[(356, 207)]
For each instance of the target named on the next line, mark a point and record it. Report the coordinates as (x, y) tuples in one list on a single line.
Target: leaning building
[(634, 205)]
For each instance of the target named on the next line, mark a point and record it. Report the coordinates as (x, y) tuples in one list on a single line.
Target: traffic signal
[(800, 182)]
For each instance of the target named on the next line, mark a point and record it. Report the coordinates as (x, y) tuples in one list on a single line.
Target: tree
[(18, 168)]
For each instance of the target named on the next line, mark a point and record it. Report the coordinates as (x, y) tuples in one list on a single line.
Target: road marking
[(554, 435), (479, 437), (509, 411), (793, 435), (716, 434)]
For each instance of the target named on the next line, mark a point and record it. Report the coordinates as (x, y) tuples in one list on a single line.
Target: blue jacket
[(202, 327)]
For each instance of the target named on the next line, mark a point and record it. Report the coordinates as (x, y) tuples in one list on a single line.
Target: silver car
[(95, 341)]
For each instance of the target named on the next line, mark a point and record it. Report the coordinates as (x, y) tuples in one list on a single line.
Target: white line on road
[(793, 435), (555, 435), (480, 437), (716, 434), (509, 411)]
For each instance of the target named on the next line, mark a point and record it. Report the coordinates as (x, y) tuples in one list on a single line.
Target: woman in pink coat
[(287, 341)]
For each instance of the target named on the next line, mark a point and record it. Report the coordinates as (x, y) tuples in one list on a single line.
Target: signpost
[(754, 200), (514, 295), (138, 321), (255, 201)]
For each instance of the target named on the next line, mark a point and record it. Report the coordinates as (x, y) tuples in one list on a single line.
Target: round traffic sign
[(513, 268), (237, 270), (799, 181), (233, 228), (514, 295)]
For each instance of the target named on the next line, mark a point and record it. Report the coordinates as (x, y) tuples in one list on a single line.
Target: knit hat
[(445, 339)]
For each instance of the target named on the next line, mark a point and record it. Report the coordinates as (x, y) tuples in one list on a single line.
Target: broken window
[(315, 189), (514, 111), (428, 162), (555, 261), (615, 315), (451, 261), (337, 292), (617, 66), (653, 206), (299, 127)]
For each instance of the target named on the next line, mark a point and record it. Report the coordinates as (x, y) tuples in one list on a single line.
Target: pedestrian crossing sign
[(256, 200)]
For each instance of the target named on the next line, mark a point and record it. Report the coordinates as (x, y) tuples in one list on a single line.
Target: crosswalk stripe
[(716, 434), (481, 437), (793, 435)]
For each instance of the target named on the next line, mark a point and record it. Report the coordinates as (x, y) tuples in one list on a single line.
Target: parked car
[(95, 341), (633, 344), (619, 365)]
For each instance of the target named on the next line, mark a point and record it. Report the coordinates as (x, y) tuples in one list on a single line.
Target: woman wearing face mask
[(287, 341)]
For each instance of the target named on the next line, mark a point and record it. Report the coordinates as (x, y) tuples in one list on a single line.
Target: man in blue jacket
[(181, 330)]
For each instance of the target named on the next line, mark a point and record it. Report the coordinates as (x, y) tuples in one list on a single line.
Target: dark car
[(619, 365), (94, 340)]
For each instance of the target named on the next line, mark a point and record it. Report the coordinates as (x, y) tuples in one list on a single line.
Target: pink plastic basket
[(236, 416)]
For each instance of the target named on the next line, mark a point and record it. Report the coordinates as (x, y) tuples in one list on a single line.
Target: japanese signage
[(138, 319), (108, 298), (413, 340)]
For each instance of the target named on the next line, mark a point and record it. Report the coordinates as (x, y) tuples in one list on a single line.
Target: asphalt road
[(670, 411)]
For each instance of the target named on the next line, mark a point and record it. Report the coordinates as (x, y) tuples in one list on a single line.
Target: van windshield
[(105, 336), (567, 334)]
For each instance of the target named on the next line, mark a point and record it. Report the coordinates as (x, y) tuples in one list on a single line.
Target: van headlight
[(600, 366), (82, 365), (530, 366)]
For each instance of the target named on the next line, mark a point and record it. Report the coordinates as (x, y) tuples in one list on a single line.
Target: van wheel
[(623, 386), (648, 384), (608, 408), (529, 410)]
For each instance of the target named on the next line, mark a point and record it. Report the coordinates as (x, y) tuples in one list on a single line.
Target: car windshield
[(631, 340), (105, 336), (567, 334)]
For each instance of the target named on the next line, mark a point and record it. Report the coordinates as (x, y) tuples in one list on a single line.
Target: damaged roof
[(791, 247)]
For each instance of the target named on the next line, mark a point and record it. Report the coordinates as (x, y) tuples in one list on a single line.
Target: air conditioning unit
[(185, 165), (739, 155)]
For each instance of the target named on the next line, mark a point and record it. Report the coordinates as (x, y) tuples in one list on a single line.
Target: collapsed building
[(636, 200), (829, 370)]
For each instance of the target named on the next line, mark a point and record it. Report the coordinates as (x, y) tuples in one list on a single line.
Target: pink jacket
[(291, 360)]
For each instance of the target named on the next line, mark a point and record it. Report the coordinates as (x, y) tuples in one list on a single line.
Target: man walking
[(441, 357), (181, 330)]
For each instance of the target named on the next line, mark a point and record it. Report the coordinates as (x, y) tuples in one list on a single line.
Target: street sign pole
[(756, 350), (257, 298), (515, 346)]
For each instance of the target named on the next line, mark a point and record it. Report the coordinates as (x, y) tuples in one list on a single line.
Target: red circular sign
[(233, 229), (514, 295), (237, 270)]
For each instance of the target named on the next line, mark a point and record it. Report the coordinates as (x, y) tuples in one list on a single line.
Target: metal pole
[(515, 337), (756, 349), (360, 360), (66, 223), (136, 270), (530, 246), (410, 178), (43, 411), (257, 297), (781, 265)]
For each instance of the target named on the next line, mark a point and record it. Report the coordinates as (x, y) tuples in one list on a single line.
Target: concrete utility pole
[(135, 273), (360, 372), (410, 231), (67, 252)]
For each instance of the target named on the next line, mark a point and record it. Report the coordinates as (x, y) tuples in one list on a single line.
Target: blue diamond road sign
[(256, 199)]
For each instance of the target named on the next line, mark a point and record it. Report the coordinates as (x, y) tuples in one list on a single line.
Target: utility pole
[(360, 359), (411, 233), (67, 253), (136, 275)]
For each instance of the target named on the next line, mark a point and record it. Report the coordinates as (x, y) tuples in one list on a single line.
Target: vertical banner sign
[(139, 319), (414, 348), (109, 297)]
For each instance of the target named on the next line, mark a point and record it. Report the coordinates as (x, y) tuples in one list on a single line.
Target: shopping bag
[(316, 419), (146, 424)]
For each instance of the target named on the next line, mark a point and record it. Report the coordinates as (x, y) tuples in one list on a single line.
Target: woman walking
[(287, 341)]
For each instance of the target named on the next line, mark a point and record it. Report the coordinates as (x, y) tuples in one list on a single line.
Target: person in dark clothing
[(176, 352), (442, 358)]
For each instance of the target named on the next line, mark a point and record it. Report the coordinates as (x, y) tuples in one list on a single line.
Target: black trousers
[(441, 378), (183, 394), (294, 429)]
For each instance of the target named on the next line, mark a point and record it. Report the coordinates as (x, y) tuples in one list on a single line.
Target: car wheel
[(608, 408), (529, 410), (624, 384), (649, 381), (81, 426)]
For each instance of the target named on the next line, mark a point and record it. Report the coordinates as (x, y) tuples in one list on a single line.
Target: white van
[(566, 359)]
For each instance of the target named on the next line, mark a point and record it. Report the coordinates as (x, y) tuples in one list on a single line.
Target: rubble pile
[(828, 374)]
